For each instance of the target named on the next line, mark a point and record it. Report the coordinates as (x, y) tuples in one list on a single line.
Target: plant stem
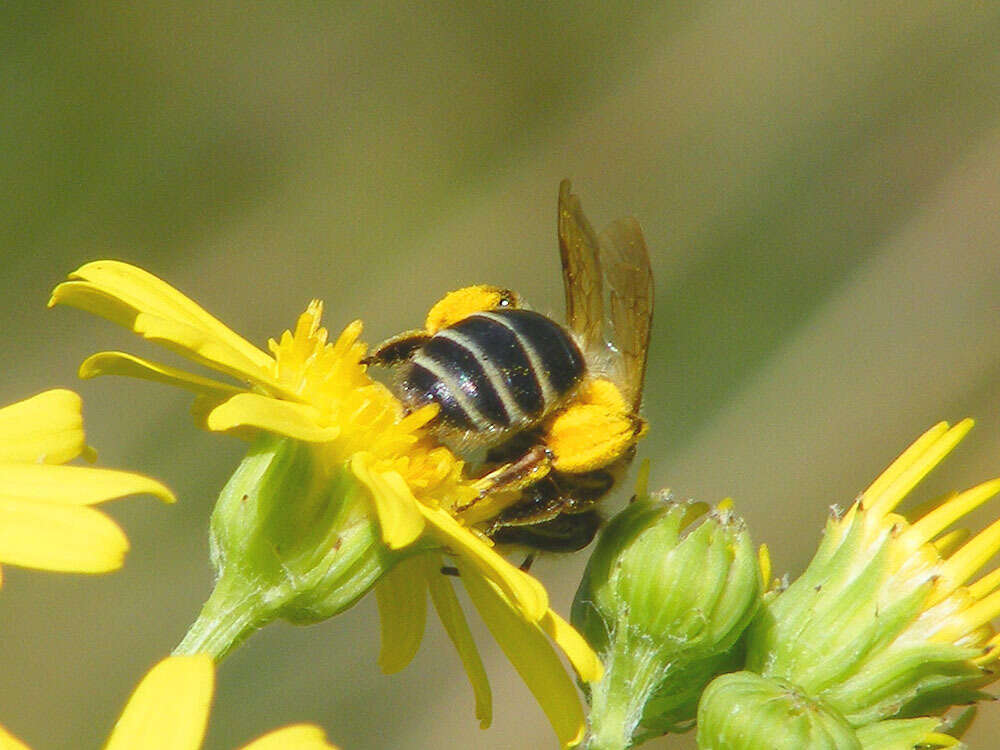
[(227, 619), (632, 672)]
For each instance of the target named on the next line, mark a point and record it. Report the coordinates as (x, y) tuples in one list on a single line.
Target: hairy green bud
[(292, 537), (664, 601)]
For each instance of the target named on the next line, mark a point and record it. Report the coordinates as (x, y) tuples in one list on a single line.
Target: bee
[(554, 406)]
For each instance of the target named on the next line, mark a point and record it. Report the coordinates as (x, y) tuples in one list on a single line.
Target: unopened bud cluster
[(665, 598), (885, 631)]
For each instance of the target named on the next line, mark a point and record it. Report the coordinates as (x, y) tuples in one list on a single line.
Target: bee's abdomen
[(495, 371)]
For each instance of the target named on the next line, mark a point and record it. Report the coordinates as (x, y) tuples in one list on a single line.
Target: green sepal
[(847, 609), (911, 680), (744, 711), (673, 706), (292, 537), (591, 599)]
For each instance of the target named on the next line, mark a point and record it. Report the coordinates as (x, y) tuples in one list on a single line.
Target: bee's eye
[(508, 299)]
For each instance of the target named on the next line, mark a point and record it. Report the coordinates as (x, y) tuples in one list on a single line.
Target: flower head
[(744, 711), (341, 489), (169, 711), (47, 518), (667, 594), (886, 622)]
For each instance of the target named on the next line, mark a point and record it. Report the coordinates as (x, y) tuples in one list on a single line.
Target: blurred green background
[(819, 183)]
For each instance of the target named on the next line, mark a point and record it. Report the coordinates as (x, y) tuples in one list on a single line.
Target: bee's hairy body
[(558, 432), (493, 374)]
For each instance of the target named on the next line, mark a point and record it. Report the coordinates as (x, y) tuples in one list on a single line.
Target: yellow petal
[(10, 742), (945, 514), (46, 428), (532, 655), (296, 737), (526, 592), (906, 459), (947, 543), (455, 624), (397, 509), (985, 585), (963, 563), (195, 344), (960, 624), (124, 294), (402, 606), (571, 643), (51, 536), (764, 563), (203, 406), (169, 708), (913, 465), (937, 739), (75, 485), (119, 363), (990, 649), (298, 421)]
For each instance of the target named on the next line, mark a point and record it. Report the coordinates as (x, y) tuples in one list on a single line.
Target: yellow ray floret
[(169, 711), (44, 429), (914, 464), (927, 551), (135, 299), (45, 518)]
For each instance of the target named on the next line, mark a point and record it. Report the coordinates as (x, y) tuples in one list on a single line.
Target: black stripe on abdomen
[(460, 370), (558, 355), (500, 347), (420, 387)]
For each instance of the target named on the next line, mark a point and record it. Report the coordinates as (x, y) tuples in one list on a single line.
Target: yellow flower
[(887, 622), (169, 711), (319, 394), (46, 516)]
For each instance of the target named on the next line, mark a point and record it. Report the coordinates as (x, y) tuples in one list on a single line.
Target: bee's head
[(467, 301)]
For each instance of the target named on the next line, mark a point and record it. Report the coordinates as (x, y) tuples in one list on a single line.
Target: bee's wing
[(625, 262), (578, 247)]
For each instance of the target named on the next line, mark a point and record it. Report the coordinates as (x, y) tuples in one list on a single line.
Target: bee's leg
[(566, 532), (396, 350), (528, 561), (517, 474), (587, 436)]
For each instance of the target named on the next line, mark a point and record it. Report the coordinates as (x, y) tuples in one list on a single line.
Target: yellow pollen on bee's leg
[(593, 431)]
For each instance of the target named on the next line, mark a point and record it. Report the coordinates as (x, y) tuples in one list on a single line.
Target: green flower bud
[(664, 602), (887, 621), (292, 537), (744, 711)]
